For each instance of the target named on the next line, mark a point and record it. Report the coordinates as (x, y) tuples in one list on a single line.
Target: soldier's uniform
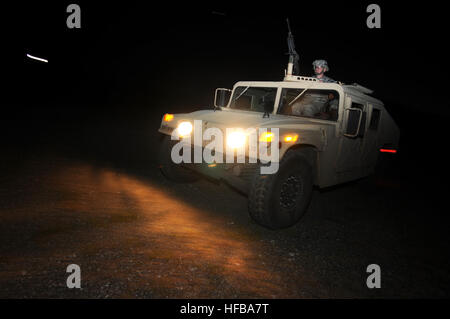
[(325, 79), (323, 64), (311, 105), (333, 105)]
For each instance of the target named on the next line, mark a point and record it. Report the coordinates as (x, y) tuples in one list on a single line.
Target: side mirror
[(222, 97), (353, 118)]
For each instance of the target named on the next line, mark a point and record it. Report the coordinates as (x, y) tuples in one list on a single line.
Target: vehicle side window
[(320, 104), (375, 119), (362, 128)]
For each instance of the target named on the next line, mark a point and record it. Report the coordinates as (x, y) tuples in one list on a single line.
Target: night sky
[(141, 60), (138, 53)]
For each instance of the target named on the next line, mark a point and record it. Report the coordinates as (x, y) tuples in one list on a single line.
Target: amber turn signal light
[(168, 117)]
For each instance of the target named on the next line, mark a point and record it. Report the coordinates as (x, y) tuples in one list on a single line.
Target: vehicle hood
[(245, 119), (313, 131)]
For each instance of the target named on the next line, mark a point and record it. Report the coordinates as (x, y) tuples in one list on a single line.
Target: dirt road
[(136, 235)]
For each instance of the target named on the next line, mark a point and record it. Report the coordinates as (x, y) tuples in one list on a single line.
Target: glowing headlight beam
[(184, 129), (36, 58), (236, 139)]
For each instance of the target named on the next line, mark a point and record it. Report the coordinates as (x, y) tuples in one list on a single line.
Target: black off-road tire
[(267, 200), (174, 172)]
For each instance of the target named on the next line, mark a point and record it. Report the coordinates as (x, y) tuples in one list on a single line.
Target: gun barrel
[(293, 66), (289, 26)]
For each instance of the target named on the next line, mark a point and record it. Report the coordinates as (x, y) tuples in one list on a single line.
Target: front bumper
[(237, 175)]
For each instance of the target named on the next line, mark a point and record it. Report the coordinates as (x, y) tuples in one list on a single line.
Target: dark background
[(106, 86), (137, 54), (130, 63)]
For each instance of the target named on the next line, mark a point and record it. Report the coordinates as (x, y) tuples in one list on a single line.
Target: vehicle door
[(370, 148), (352, 138)]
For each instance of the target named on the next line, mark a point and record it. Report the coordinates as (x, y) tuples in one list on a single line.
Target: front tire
[(279, 200)]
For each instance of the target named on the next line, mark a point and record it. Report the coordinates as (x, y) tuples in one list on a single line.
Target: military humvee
[(329, 133)]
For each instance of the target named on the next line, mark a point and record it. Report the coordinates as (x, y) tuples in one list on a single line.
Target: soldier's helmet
[(321, 63)]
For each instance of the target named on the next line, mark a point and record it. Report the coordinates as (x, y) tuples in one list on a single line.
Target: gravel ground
[(136, 235)]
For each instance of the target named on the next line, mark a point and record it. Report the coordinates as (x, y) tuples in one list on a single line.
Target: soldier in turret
[(320, 67)]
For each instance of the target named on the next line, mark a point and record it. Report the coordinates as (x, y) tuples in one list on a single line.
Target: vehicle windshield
[(258, 99), (320, 104)]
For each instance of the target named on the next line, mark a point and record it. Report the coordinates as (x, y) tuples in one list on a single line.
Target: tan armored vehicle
[(317, 134), (328, 134)]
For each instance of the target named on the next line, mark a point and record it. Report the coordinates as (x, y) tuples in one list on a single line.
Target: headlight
[(184, 129), (236, 139)]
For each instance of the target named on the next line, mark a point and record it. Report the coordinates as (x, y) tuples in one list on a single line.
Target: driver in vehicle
[(306, 107), (321, 105), (330, 110)]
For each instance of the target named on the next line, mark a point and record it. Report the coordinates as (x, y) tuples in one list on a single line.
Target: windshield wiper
[(301, 93), (297, 97), (245, 90)]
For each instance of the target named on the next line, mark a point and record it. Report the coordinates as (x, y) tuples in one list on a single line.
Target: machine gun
[(293, 67)]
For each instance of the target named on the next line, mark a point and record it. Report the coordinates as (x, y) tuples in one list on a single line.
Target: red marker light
[(385, 150)]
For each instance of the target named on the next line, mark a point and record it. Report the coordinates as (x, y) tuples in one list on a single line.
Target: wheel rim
[(291, 190)]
